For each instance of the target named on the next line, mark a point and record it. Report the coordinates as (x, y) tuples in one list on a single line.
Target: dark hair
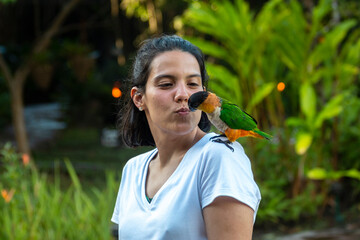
[(134, 127)]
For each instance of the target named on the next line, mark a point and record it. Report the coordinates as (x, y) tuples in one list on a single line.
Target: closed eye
[(194, 80), (165, 85), (193, 84)]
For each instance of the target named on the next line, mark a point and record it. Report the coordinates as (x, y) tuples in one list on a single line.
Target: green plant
[(41, 208), (326, 62), (322, 174), (276, 207), (318, 67)]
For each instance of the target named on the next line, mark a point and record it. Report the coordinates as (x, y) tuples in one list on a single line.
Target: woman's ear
[(133, 91), (137, 98)]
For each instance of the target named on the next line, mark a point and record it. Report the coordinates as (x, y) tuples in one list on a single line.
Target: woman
[(188, 187)]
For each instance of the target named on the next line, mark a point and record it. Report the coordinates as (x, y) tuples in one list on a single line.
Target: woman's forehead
[(174, 60)]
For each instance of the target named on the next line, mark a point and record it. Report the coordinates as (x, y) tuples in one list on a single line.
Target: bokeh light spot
[(116, 92), (281, 86)]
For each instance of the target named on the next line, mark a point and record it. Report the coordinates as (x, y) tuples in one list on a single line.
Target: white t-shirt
[(208, 170)]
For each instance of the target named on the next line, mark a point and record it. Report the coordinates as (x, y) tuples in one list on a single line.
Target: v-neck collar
[(144, 200)]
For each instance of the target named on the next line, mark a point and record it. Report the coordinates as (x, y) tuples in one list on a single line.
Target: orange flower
[(25, 159), (7, 195)]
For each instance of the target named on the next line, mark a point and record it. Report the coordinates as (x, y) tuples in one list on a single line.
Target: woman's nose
[(182, 93)]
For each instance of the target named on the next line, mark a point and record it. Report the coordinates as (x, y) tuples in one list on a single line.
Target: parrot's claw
[(226, 142), (218, 136)]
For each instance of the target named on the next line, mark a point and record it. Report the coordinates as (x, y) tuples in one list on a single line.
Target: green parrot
[(227, 117)]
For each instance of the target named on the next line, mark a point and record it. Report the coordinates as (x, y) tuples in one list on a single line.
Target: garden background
[(293, 65)]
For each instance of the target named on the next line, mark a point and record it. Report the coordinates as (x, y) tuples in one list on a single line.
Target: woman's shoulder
[(217, 154), (216, 144)]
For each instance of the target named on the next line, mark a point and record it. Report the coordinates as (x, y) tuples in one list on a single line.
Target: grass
[(42, 208)]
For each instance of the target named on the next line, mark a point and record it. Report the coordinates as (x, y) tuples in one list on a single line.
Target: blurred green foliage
[(321, 174), (35, 207), (313, 118), (7, 1)]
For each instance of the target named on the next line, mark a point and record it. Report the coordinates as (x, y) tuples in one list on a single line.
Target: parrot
[(227, 117)]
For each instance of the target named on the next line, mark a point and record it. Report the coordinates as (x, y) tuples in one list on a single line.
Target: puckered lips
[(182, 111)]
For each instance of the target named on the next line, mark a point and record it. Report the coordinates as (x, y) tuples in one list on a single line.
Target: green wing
[(236, 118)]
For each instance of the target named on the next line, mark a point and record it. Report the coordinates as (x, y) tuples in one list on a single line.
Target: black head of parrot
[(197, 99)]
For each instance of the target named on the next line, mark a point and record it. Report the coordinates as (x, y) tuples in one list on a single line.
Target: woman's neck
[(171, 149)]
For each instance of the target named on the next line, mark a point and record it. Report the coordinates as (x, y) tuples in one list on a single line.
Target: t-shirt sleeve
[(227, 173), (116, 213)]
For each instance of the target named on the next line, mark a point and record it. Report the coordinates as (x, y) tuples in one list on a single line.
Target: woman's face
[(174, 76)]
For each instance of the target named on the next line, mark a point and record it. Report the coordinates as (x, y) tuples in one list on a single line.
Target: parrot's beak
[(192, 109), (197, 99)]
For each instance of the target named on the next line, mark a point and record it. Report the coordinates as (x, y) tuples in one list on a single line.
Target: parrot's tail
[(260, 134), (233, 134)]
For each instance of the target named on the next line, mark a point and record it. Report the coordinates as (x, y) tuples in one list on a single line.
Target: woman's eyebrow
[(194, 75), (158, 77), (172, 77)]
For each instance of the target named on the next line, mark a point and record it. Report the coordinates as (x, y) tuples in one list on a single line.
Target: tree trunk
[(119, 43), (154, 17), (18, 119)]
